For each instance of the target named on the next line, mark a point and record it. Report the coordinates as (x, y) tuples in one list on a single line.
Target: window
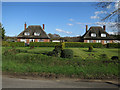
[(91, 41), (40, 40), (93, 35), (108, 41), (23, 40), (26, 33), (36, 34), (32, 40), (98, 41), (103, 35), (87, 41)]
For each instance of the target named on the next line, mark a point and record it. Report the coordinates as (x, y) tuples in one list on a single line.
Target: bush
[(5, 44), (17, 44), (113, 45), (44, 44), (82, 44), (114, 58), (90, 49), (67, 53), (11, 52), (13, 44)]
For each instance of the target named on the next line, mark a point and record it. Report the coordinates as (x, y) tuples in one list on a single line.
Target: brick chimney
[(43, 27), (104, 27), (25, 25), (86, 28)]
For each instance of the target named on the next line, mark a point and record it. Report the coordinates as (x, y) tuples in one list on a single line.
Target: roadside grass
[(84, 64)]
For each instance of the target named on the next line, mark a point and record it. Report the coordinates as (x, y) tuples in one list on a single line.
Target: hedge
[(82, 44), (44, 44), (113, 45), (13, 44)]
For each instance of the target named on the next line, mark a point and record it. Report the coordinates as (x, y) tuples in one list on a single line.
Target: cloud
[(63, 31), (69, 24), (83, 23), (106, 23), (117, 5), (100, 12), (113, 33), (97, 13), (94, 17), (71, 19), (108, 7)]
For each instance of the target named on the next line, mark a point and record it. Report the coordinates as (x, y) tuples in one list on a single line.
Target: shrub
[(63, 45), (17, 44), (113, 45), (11, 51), (114, 58), (44, 44), (82, 44), (90, 49), (5, 44), (67, 53)]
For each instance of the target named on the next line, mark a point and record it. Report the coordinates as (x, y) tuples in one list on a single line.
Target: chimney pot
[(43, 27), (104, 27), (86, 28), (25, 25)]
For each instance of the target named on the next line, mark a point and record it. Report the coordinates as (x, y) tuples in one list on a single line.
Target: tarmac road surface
[(8, 82)]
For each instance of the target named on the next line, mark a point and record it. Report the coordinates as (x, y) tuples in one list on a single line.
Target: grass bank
[(84, 64)]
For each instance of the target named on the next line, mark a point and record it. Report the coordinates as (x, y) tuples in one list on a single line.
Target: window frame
[(93, 35), (26, 33), (36, 34), (103, 35)]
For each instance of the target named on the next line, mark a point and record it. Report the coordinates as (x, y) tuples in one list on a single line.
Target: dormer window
[(103, 35), (93, 35), (26, 33), (36, 34)]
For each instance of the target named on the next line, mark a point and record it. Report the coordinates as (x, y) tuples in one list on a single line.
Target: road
[(8, 82)]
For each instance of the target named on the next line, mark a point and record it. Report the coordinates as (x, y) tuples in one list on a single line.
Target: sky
[(63, 18)]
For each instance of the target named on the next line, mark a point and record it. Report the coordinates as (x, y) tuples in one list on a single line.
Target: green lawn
[(84, 64)]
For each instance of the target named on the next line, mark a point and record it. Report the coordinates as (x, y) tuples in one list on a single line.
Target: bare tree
[(113, 14)]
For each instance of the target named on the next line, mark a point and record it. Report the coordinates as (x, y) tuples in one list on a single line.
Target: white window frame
[(93, 35), (91, 41), (88, 41), (26, 33), (30, 40), (36, 34), (105, 41), (103, 35), (108, 41), (40, 40), (98, 41), (23, 40)]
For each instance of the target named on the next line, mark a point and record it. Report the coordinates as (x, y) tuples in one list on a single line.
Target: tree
[(2, 32), (112, 14), (54, 36)]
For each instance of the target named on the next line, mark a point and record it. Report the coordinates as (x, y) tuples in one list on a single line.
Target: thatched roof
[(98, 31), (31, 30)]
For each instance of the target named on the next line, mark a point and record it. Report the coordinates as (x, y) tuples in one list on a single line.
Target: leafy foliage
[(113, 45), (90, 49), (67, 53), (80, 44)]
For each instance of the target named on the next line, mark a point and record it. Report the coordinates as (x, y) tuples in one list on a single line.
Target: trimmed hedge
[(113, 45), (44, 44), (81, 44), (13, 44)]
